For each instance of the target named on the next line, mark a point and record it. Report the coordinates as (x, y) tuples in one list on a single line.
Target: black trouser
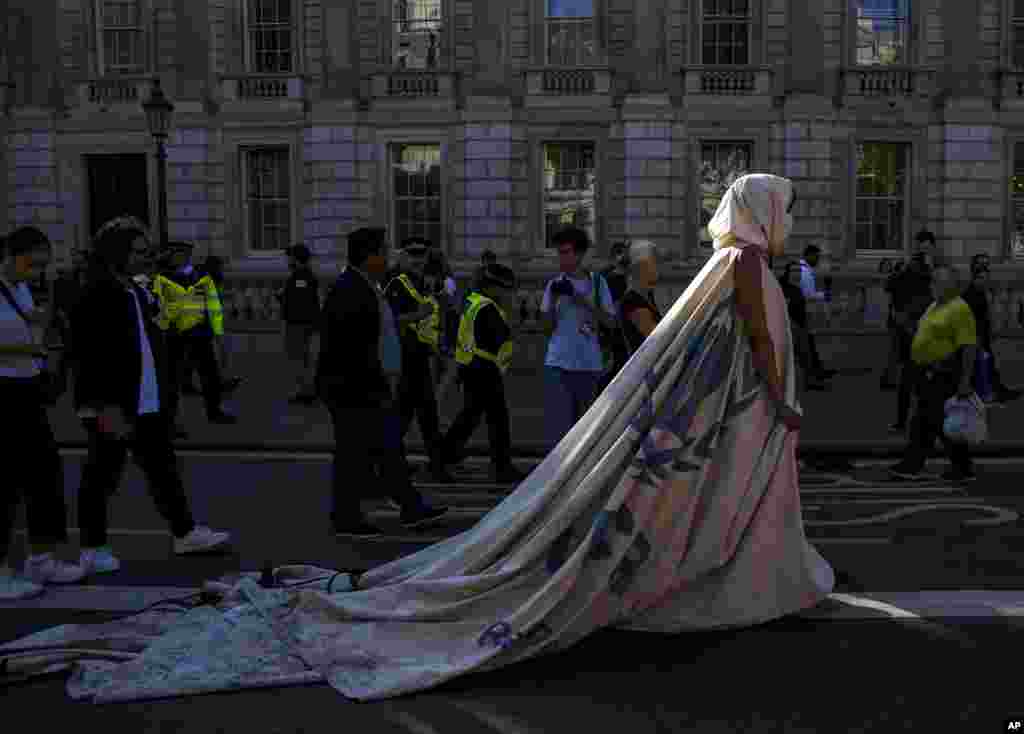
[(32, 468), (816, 364), (909, 376), (199, 349), (934, 387), (153, 452), (484, 395), (366, 438), (416, 398)]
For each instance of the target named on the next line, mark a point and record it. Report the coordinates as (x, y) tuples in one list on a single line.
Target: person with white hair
[(638, 312)]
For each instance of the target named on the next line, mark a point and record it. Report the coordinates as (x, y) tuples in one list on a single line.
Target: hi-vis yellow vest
[(468, 349), (429, 329), (186, 308)]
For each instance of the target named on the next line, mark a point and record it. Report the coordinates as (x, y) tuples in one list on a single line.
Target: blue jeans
[(568, 394)]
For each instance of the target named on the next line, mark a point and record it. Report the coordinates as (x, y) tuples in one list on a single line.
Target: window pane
[(1018, 45), (881, 31), (1018, 8), (570, 8), (711, 7), (864, 237)]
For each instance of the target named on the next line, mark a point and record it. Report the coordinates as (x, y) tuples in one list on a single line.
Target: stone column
[(486, 204), (650, 147)]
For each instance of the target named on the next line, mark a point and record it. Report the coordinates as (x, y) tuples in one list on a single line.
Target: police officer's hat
[(499, 275)]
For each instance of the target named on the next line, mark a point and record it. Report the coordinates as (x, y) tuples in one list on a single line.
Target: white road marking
[(998, 515)]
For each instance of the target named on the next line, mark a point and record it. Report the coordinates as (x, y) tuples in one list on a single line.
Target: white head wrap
[(752, 210)]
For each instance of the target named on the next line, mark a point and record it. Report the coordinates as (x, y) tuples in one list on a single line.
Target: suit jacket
[(349, 370), (108, 346)]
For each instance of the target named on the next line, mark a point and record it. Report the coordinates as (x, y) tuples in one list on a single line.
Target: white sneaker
[(14, 588), (46, 569), (98, 560), (199, 540)]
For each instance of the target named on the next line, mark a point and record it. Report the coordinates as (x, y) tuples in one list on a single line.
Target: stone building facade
[(487, 124)]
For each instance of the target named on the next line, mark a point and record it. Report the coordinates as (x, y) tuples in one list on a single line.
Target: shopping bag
[(965, 420)]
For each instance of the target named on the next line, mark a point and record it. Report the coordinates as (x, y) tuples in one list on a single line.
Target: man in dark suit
[(357, 377), (121, 395)]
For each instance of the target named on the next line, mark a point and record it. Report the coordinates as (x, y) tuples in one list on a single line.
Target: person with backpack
[(575, 303), (300, 311), (612, 342), (33, 469)]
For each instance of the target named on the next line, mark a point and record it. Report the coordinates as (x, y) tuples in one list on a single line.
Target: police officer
[(187, 309), (484, 351), (419, 317)]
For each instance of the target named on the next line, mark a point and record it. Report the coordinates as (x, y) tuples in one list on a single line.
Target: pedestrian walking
[(122, 396), (944, 348), (357, 378), (575, 302), (300, 311), (912, 293), (809, 287), (419, 321), (484, 352), (638, 312), (190, 301), (796, 304), (33, 469), (213, 267)]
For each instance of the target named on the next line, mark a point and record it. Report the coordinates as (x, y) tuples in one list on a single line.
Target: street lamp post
[(158, 117)]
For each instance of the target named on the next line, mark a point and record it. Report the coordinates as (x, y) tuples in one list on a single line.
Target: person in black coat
[(796, 304), (121, 395), (357, 334)]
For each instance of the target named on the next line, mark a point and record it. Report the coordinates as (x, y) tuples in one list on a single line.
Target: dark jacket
[(911, 291), (796, 304), (108, 346), (300, 300), (348, 369)]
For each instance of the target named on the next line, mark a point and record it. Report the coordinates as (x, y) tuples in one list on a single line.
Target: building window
[(121, 50), (270, 33), (881, 199), (267, 198), (570, 32), (1017, 34), (726, 31), (722, 162), (417, 33), (882, 31), (1017, 202), (416, 192), (569, 188)]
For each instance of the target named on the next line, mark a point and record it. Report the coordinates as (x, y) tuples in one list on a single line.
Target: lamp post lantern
[(158, 118)]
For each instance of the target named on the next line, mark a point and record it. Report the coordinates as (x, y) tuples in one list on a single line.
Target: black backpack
[(301, 299)]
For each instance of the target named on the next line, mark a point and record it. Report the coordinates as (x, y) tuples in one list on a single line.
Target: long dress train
[(672, 505)]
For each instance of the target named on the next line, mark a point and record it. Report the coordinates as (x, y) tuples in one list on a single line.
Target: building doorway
[(118, 185)]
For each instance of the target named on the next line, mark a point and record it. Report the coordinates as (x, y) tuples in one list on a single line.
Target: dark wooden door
[(117, 186)]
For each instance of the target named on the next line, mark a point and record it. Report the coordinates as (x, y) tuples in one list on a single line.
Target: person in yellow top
[(483, 353), (943, 350)]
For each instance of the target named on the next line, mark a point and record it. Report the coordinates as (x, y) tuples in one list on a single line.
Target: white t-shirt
[(574, 345), (14, 330), (149, 394)]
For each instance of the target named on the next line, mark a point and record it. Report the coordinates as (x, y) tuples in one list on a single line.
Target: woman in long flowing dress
[(672, 505)]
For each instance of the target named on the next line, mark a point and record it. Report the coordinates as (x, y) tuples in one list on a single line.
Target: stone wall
[(33, 182), (654, 182), (341, 165), (193, 204), (489, 189), (969, 219)]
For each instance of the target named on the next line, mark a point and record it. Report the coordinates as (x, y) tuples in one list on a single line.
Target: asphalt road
[(920, 634)]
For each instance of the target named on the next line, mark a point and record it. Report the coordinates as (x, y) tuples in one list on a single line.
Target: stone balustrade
[(569, 82), (413, 83), (255, 87), (888, 81), (728, 80)]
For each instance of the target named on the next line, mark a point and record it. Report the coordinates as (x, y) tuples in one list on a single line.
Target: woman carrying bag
[(638, 313), (32, 466)]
